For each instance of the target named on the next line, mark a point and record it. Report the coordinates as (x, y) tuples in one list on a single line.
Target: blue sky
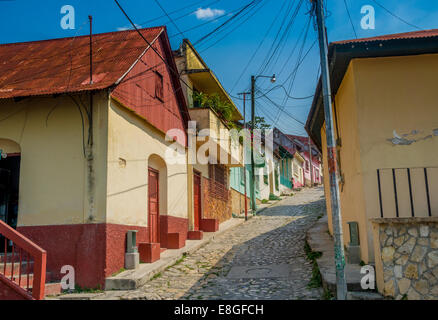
[(228, 52)]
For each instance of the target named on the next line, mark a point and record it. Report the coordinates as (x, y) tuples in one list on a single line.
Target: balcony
[(213, 129)]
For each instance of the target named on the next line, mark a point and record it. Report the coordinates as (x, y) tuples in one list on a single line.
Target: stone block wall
[(407, 257)]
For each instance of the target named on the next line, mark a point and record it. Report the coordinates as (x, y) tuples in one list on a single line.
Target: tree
[(259, 123)]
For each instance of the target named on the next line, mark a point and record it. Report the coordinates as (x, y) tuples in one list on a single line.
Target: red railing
[(23, 268)]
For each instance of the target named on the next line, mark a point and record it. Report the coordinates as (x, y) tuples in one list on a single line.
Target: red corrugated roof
[(63, 65), (407, 35)]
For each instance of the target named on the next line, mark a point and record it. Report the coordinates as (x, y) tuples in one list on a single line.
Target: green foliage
[(259, 123), (156, 276), (264, 201), (213, 101), (79, 289), (118, 272), (273, 197), (315, 281)]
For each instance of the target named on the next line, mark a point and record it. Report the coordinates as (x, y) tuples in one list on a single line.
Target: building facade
[(214, 115), (387, 142), (88, 154)]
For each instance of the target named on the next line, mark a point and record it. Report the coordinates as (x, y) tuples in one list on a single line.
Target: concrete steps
[(132, 279), (320, 240)]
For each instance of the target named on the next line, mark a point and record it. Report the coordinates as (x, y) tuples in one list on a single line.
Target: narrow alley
[(261, 259)]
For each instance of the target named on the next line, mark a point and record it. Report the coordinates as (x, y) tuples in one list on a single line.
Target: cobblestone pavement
[(263, 258)]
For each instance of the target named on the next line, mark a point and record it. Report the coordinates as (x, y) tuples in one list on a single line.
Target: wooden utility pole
[(341, 283)]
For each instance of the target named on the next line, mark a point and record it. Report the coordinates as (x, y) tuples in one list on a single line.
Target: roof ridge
[(81, 36), (427, 33)]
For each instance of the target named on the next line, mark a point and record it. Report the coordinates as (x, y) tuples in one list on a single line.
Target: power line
[(396, 16), (171, 20), (285, 92), (274, 46), (225, 23), (203, 24), (150, 45), (284, 111), (178, 10), (258, 48), (349, 17), (237, 25)]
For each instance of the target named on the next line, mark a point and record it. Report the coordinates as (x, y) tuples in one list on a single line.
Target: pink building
[(302, 145)]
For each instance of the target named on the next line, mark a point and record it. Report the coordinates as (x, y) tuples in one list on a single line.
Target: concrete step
[(132, 279), (320, 241)]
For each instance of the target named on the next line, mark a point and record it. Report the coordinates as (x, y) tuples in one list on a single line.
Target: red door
[(154, 205), (197, 200)]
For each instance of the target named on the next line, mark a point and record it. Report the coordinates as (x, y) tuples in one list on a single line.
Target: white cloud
[(130, 27), (208, 13)]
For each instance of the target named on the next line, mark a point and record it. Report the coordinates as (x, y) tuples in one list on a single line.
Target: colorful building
[(302, 145), (215, 114), (86, 153), (386, 128), (291, 163)]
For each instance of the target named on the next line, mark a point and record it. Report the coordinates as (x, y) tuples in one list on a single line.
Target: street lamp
[(252, 184)]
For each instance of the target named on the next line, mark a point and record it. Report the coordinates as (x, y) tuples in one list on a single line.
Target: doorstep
[(132, 279), (320, 241)]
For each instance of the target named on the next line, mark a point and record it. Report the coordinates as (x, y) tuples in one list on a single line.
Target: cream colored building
[(386, 123), (94, 161)]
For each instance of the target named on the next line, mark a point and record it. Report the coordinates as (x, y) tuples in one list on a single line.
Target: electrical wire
[(170, 19), (258, 48), (244, 21), (349, 17), (396, 16), (225, 23)]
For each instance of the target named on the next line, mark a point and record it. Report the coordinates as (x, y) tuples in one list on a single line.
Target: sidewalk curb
[(118, 283), (319, 240)]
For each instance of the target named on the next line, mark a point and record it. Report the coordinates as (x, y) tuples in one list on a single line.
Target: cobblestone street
[(261, 259)]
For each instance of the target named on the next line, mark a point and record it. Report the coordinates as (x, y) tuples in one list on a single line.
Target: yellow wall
[(377, 97), (134, 141), (54, 185)]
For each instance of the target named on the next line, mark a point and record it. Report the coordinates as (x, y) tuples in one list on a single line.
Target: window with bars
[(218, 182)]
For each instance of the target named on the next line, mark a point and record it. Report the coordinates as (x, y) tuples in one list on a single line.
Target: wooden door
[(154, 206), (197, 200)]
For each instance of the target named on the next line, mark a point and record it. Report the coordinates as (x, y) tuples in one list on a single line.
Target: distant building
[(302, 145)]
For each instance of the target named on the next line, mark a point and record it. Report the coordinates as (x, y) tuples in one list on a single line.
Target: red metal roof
[(407, 35), (63, 65)]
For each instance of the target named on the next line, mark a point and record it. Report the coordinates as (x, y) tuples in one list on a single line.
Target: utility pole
[(341, 282), (311, 163), (244, 152), (252, 180)]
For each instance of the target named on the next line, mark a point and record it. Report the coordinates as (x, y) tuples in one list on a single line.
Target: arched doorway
[(10, 159), (157, 195)]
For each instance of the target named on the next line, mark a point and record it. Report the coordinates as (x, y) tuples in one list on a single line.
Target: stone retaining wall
[(407, 257)]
